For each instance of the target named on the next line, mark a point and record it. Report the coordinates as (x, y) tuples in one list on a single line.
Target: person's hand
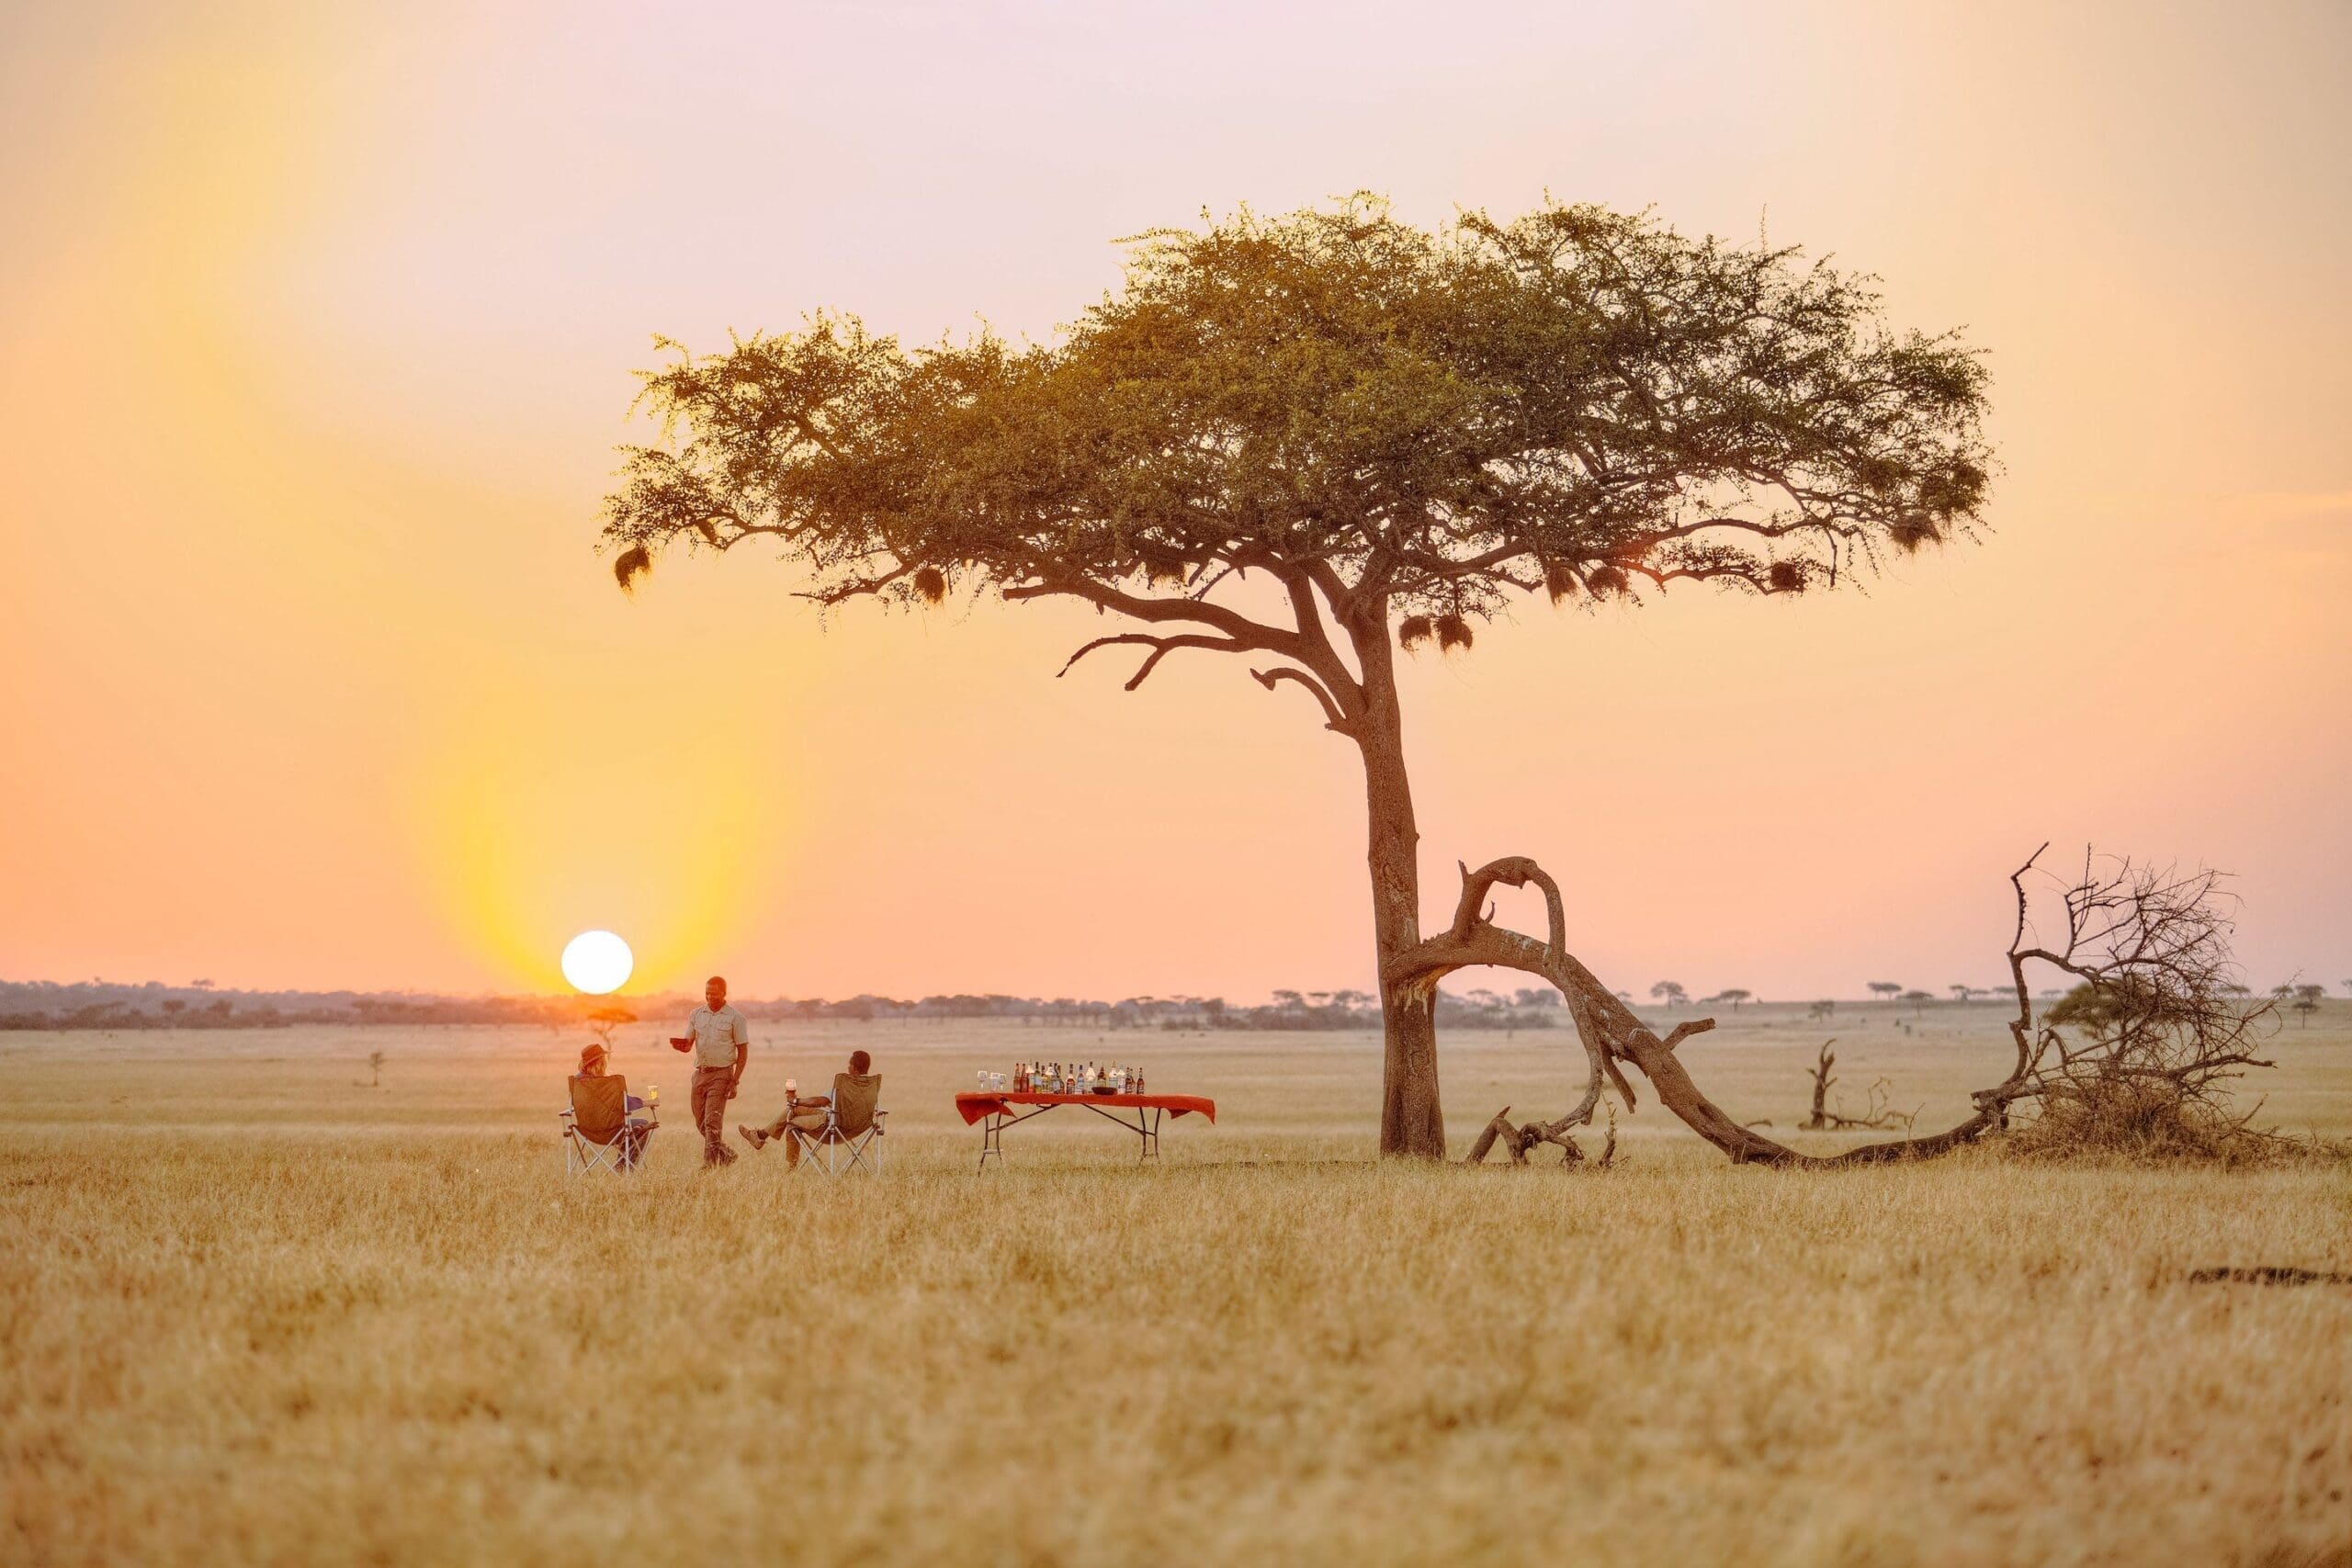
[(731, 1089)]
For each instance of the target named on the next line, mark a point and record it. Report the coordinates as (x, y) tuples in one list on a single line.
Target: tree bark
[(1412, 1121)]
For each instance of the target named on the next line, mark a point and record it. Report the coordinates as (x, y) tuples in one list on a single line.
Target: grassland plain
[(252, 1311)]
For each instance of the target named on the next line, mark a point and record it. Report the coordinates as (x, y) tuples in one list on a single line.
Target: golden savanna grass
[(253, 1311)]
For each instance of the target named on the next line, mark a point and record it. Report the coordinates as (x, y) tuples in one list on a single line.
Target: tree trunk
[(1412, 1122)]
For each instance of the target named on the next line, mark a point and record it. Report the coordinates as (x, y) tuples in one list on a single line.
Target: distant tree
[(1961, 993), (1400, 434), (1823, 1008), (375, 1070), (2102, 1012), (1919, 999), (1289, 999), (1734, 996), (1888, 989), (2307, 999), (1670, 992), (605, 1020), (173, 1007)]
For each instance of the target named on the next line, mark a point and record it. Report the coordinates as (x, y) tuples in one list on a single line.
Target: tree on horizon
[(1318, 440)]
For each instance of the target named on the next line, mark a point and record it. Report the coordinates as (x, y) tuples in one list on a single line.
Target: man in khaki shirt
[(722, 1046)]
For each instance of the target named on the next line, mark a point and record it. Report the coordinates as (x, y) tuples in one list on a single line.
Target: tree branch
[(1144, 607), (1161, 646), (1334, 720)]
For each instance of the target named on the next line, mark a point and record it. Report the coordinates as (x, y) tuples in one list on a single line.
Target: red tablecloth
[(973, 1105)]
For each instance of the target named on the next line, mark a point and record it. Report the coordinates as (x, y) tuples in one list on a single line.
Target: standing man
[(721, 1042)]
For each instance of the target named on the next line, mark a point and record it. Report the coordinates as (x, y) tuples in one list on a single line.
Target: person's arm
[(742, 1055)]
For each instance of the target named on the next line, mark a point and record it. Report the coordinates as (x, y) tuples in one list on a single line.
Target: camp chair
[(846, 1141), (596, 1128)]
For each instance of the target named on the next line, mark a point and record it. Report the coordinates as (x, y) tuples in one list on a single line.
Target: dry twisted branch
[(2153, 942)]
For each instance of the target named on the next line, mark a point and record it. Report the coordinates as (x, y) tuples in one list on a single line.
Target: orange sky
[(315, 334)]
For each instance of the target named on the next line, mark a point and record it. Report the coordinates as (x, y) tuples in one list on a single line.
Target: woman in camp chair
[(633, 1132), (808, 1114)]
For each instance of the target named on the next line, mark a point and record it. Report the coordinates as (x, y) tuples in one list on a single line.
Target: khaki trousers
[(708, 1100), (808, 1121)]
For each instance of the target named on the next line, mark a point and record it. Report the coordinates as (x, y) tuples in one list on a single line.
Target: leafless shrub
[(2136, 1061), (1876, 1113)]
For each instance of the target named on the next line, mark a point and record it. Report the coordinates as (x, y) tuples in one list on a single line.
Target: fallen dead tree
[(2152, 941)]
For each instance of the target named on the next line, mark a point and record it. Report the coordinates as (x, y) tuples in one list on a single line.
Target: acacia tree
[(1312, 440)]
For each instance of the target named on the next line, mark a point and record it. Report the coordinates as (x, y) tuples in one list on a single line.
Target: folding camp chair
[(597, 1132), (848, 1139)]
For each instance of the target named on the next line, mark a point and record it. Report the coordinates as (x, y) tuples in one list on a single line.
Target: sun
[(598, 961)]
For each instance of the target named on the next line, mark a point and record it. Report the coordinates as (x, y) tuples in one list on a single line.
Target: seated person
[(808, 1114), (593, 1059)]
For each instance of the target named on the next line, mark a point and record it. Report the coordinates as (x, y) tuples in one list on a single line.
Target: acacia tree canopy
[(1577, 402)]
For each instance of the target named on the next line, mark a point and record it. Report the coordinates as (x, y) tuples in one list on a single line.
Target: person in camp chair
[(636, 1129), (808, 1114)]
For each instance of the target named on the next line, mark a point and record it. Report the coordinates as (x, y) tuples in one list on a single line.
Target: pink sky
[(315, 338)]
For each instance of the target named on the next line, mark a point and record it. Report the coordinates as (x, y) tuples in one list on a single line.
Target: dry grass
[(250, 1311)]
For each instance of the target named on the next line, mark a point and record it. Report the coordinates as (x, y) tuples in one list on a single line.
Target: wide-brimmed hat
[(592, 1055)]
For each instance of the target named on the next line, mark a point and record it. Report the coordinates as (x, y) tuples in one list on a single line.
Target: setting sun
[(598, 961)]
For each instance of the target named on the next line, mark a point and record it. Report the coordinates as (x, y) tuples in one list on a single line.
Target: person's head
[(592, 1061), (713, 992), (860, 1063)]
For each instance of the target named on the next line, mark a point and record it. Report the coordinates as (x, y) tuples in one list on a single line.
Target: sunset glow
[(316, 333)]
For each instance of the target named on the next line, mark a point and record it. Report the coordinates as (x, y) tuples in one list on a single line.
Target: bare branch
[(1161, 646), (1335, 719)]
